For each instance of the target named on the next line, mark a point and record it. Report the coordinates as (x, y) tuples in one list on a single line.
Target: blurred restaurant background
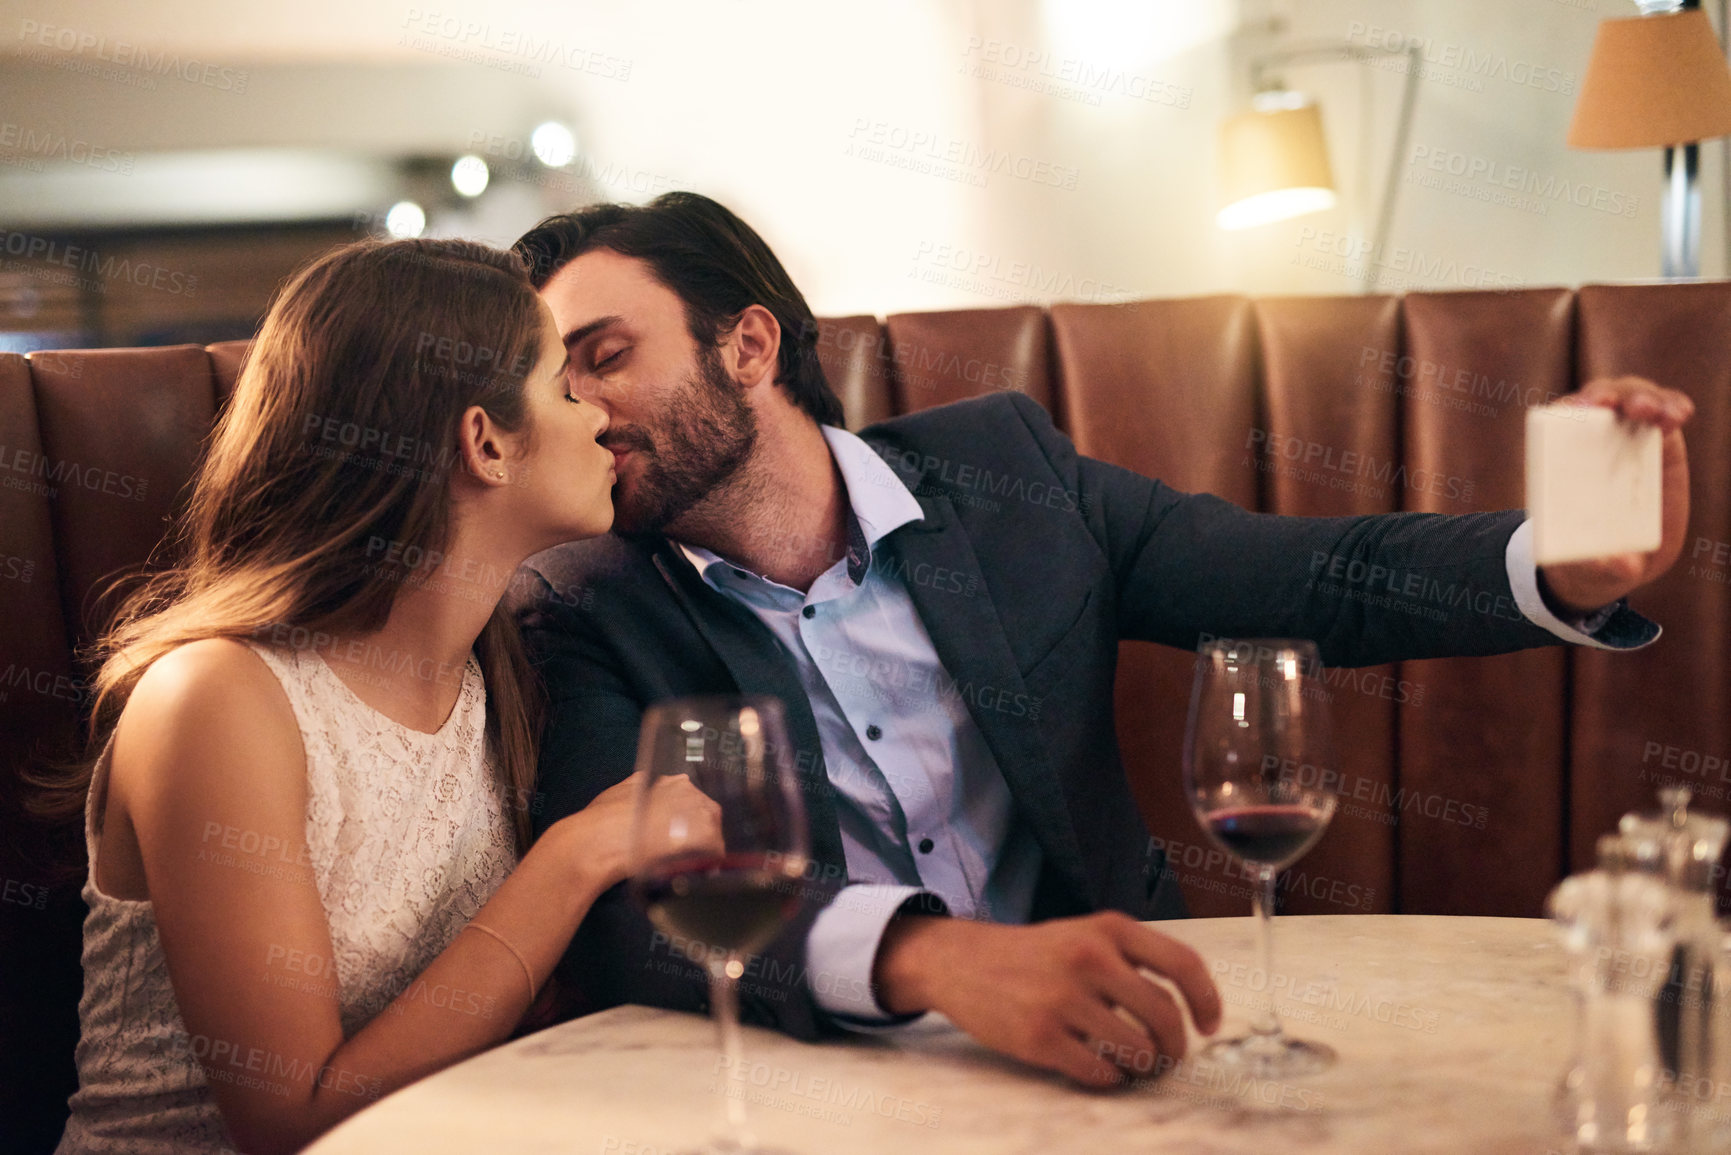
[(1233, 244), (164, 165)]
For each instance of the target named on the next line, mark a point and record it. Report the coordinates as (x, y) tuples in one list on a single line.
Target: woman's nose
[(602, 421)]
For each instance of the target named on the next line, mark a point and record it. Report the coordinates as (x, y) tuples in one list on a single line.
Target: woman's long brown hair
[(329, 473)]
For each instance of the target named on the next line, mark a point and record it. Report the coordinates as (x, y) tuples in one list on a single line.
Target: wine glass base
[(1269, 1057)]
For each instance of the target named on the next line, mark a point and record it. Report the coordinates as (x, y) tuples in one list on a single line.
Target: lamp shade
[(1653, 81), (1273, 165)]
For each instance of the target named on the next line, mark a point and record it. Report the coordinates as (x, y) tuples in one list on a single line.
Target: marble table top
[(1451, 1033)]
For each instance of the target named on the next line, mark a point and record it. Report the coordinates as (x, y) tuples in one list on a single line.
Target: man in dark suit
[(946, 662)]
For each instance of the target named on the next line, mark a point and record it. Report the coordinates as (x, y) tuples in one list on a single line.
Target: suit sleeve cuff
[(842, 948), (1612, 627)]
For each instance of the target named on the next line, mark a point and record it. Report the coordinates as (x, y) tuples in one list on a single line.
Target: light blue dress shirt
[(920, 799)]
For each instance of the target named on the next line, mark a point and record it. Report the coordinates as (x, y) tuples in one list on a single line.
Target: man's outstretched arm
[(1367, 589)]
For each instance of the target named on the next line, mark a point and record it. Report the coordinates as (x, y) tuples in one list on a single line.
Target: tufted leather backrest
[(937, 358), (1638, 721), (1331, 431), (1168, 389), (1489, 732)]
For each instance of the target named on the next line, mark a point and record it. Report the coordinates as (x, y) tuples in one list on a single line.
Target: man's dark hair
[(712, 261)]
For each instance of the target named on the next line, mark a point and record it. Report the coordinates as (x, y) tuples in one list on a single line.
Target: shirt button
[(925, 846), (874, 733), (809, 611)]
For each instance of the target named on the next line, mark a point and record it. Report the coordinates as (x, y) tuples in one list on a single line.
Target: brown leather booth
[(1472, 785)]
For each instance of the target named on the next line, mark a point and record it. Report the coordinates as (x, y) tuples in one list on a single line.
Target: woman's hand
[(680, 817)]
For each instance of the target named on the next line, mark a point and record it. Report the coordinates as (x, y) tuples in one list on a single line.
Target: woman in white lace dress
[(317, 727)]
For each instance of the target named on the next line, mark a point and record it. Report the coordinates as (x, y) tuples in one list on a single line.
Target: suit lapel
[(970, 642), (759, 666)]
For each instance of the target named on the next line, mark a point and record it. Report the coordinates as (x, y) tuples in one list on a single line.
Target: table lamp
[(1659, 80)]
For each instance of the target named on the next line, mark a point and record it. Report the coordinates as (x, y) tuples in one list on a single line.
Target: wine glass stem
[(724, 1005), (1267, 1023)]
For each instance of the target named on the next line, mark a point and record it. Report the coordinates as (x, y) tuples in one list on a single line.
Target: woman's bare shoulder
[(204, 703)]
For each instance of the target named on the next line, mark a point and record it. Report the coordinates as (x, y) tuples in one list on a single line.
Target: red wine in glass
[(1272, 834), (736, 902), (1257, 747)]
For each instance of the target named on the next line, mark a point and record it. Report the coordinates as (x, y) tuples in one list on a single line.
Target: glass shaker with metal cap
[(1684, 847), (1616, 923)]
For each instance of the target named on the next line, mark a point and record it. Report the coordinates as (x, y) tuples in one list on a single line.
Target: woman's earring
[(499, 474)]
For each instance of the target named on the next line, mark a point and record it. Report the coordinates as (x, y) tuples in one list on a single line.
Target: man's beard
[(708, 435)]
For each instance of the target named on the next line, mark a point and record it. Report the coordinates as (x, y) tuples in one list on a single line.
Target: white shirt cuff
[(1524, 584), (842, 947)]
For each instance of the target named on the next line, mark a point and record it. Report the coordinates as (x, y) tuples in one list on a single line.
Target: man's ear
[(754, 347), (481, 447)]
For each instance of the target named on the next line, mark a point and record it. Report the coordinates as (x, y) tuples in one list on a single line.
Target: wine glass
[(727, 901), (1257, 763)]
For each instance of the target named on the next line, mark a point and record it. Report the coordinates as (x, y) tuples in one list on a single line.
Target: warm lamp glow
[(1653, 81), (1273, 165), (1266, 208)]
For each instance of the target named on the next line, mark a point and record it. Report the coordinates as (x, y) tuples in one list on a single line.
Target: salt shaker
[(1684, 849), (1617, 929)]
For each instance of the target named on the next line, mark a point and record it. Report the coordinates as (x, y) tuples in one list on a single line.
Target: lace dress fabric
[(408, 837)]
